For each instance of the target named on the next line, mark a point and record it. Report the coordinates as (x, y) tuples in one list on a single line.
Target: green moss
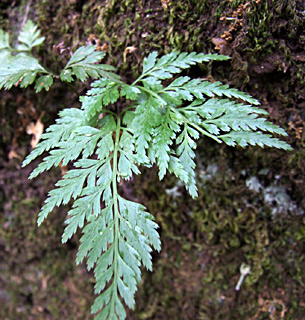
[(203, 241)]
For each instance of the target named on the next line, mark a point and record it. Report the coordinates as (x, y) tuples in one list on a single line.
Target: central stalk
[(115, 211)]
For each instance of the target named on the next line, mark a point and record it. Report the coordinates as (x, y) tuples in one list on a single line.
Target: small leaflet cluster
[(19, 67), (158, 125)]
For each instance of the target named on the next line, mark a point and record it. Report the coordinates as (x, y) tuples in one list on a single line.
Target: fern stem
[(204, 132), (192, 124), (154, 94), (110, 112), (139, 79), (116, 212)]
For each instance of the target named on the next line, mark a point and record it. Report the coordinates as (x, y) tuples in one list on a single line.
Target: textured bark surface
[(250, 206)]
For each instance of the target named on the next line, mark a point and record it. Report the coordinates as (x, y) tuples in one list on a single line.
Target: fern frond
[(220, 115), (71, 186), (69, 150), (187, 89), (88, 204), (21, 70), (244, 139), (93, 231), (44, 82), (85, 63), (174, 62), (144, 120), (128, 160), (109, 91), (164, 134), (69, 120), (186, 154), (213, 108), (196, 106), (116, 239), (130, 245), (84, 140), (88, 170), (106, 89), (29, 37), (160, 126), (240, 121)]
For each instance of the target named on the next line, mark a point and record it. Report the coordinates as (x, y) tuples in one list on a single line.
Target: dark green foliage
[(83, 65), (19, 67), (29, 37)]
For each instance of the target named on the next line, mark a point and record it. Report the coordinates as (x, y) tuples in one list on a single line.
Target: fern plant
[(120, 128)]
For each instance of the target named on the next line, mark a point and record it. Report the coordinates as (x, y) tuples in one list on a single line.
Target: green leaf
[(186, 154), (137, 216), (128, 159), (97, 233), (66, 75), (69, 150), (145, 118), (29, 37), (213, 108), (44, 82), (69, 120), (244, 139), (5, 56), (164, 135), (150, 61), (22, 70), (240, 121), (174, 62), (130, 92), (107, 90), (85, 63), (103, 239), (176, 167), (87, 55), (70, 186), (103, 300), (187, 89)]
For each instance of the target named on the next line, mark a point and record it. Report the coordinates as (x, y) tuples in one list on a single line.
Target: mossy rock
[(204, 241)]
